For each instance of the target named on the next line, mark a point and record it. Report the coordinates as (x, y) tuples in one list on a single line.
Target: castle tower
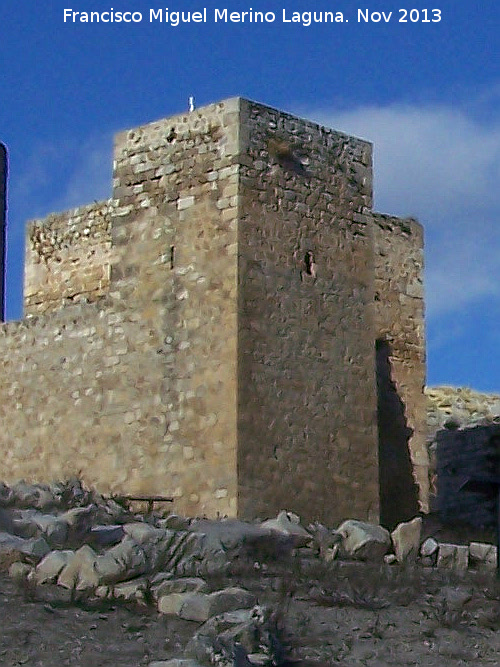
[(3, 225), (210, 332), (267, 292)]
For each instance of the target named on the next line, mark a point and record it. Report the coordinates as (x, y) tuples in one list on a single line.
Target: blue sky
[(426, 93)]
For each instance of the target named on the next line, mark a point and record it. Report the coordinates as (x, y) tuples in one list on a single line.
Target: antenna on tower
[(191, 104)]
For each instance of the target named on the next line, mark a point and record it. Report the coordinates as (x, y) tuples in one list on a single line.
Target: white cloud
[(443, 167)]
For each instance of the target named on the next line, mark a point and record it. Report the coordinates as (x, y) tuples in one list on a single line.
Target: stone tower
[(210, 332), (3, 225)]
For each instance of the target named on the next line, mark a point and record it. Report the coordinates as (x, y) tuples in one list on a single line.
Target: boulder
[(406, 539), (182, 585), (288, 523), (253, 629), (20, 572), (80, 572), (363, 541), (429, 547), (36, 548), (125, 560), (200, 607), (483, 556), (453, 556), (51, 566)]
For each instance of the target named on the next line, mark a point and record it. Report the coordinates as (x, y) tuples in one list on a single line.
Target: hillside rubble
[(67, 542)]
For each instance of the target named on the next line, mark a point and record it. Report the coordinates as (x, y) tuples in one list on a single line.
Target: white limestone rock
[(50, 567), (80, 572), (363, 541), (200, 607), (406, 539), (429, 547), (288, 523)]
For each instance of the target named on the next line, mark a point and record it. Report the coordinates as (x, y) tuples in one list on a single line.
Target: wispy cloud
[(442, 166)]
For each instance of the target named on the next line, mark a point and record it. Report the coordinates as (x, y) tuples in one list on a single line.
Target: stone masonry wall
[(176, 224), (399, 321), (307, 405), (137, 391), (68, 258), (208, 333)]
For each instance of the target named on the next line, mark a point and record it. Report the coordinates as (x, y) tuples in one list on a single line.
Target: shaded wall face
[(399, 321), (307, 402), (462, 455), (398, 489), (3, 223)]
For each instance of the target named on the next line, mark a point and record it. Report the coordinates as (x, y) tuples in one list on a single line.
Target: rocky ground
[(349, 614), (86, 581)]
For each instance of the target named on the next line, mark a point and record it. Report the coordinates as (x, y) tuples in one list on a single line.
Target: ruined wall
[(464, 454), (399, 322), (68, 257), (307, 405)]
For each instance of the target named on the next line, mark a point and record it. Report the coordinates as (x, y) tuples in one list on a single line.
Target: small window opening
[(310, 265)]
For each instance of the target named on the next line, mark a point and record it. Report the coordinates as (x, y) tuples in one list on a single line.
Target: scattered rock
[(453, 556), (406, 539), (51, 566), (483, 556), (80, 572), (429, 547)]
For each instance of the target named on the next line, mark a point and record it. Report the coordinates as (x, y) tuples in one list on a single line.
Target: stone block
[(406, 539), (453, 556), (363, 541), (483, 556)]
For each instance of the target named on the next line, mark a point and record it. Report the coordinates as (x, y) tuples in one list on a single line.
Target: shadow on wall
[(398, 490)]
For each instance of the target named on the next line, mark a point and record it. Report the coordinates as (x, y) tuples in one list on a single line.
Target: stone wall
[(68, 258), (209, 333), (307, 404), (461, 406), (399, 321), (466, 454)]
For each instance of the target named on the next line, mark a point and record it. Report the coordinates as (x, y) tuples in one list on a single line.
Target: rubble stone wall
[(399, 321), (468, 454), (307, 422), (68, 258)]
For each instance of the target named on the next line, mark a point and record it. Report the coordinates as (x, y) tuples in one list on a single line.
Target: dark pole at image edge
[(3, 226)]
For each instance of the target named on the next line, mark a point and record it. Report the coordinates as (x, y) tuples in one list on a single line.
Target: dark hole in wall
[(398, 490)]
